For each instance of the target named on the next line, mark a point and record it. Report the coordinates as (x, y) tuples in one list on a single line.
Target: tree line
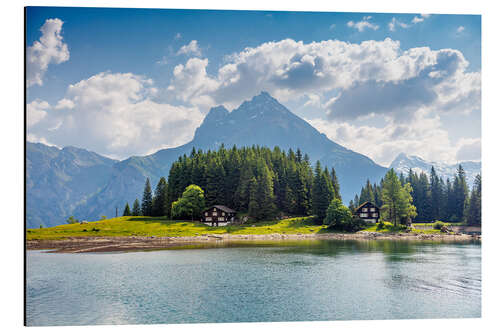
[(257, 180), (433, 198)]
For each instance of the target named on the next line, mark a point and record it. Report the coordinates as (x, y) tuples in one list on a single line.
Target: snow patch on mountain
[(403, 163)]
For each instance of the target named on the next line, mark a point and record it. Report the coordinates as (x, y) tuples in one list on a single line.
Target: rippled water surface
[(292, 281)]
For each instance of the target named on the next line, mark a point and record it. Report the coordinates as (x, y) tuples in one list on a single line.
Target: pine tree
[(460, 194), (322, 193), (147, 200), (436, 192), (336, 185), (474, 209), (367, 193), (136, 208), (397, 199), (160, 198), (253, 205), (126, 210), (265, 198)]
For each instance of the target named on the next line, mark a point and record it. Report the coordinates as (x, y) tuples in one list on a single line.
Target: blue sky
[(173, 65)]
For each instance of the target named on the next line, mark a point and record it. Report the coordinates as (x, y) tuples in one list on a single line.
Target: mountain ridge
[(260, 121), (403, 163)]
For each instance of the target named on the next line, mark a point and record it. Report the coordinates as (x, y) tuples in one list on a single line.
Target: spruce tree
[(474, 209), (136, 208), (322, 193), (253, 205), (126, 210), (460, 194), (147, 200), (436, 193), (336, 185), (160, 198), (397, 199)]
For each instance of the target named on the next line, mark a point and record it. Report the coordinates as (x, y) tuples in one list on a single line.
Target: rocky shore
[(136, 243)]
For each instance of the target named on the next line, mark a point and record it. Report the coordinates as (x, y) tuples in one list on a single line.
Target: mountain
[(58, 180), (261, 121), (403, 163)]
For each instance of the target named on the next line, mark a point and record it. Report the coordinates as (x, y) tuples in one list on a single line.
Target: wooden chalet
[(218, 215), (368, 212)]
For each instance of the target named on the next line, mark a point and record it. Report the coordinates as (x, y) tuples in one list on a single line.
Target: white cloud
[(395, 23), (469, 149), (191, 83), (332, 26), (425, 137), (417, 19), (363, 24), (420, 19), (372, 77), (36, 111), (65, 104), (191, 48), (114, 114), (178, 36), (460, 29), (50, 49)]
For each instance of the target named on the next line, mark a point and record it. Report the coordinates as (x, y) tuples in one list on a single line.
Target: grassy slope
[(153, 226), (150, 226)]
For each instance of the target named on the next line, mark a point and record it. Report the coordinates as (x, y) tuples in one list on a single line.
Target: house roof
[(223, 208), (364, 204)]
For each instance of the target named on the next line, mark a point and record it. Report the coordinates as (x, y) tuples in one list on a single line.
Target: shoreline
[(137, 243)]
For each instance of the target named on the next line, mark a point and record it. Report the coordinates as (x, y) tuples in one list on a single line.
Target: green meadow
[(161, 227)]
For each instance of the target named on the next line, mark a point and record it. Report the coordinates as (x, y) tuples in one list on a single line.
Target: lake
[(273, 281)]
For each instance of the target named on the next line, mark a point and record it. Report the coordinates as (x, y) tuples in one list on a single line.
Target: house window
[(365, 209), (223, 214), (214, 214), (363, 215), (208, 219), (206, 213), (372, 209), (215, 209), (221, 219), (375, 215)]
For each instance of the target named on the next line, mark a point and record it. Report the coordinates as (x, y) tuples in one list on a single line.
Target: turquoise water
[(310, 280)]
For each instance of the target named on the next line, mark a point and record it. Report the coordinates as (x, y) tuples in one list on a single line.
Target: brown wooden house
[(218, 215), (368, 212)]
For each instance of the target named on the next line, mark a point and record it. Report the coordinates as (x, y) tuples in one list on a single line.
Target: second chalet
[(368, 212)]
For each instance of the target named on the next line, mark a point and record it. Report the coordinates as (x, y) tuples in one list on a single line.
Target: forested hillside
[(257, 180)]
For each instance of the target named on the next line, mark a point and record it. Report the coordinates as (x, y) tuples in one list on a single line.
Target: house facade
[(368, 212), (218, 215)]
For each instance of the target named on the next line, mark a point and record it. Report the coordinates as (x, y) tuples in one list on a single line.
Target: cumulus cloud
[(65, 104), (115, 114), (372, 77), (50, 49), (363, 24), (191, 48), (425, 137), (36, 111), (191, 83), (460, 29)]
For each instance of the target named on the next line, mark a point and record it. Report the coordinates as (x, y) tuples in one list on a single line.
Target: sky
[(125, 82)]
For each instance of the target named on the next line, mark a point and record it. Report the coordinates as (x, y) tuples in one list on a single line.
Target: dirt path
[(111, 244)]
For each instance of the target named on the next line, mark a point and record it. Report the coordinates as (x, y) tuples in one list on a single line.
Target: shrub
[(380, 225), (339, 216), (438, 225)]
